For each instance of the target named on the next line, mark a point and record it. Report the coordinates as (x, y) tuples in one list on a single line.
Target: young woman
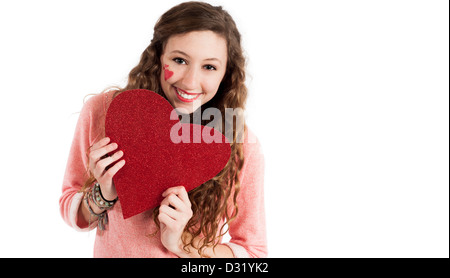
[(195, 61)]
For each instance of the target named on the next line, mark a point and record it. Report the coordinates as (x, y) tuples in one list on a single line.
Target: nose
[(190, 79)]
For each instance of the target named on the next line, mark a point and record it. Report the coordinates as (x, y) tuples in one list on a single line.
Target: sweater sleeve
[(248, 229), (77, 165)]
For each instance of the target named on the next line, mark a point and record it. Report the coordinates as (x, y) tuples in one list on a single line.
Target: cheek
[(212, 88), (167, 73)]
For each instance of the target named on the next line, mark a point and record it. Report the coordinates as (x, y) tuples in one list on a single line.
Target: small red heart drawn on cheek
[(167, 73), (139, 122)]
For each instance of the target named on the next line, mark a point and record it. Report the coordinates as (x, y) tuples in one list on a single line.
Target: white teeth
[(186, 96)]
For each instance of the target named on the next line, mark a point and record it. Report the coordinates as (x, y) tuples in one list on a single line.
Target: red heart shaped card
[(139, 122)]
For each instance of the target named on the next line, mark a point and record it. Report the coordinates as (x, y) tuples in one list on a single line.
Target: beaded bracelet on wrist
[(99, 200), (102, 217)]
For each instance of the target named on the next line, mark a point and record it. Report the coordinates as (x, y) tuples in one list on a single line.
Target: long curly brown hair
[(212, 200)]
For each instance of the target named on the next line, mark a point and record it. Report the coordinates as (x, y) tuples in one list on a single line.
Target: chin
[(187, 109)]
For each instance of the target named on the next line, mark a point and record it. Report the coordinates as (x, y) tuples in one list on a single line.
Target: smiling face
[(193, 66)]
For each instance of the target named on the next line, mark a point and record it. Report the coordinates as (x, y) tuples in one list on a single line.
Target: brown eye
[(210, 67), (179, 60)]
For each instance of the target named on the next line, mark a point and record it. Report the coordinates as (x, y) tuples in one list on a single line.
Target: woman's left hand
[(174, 213)]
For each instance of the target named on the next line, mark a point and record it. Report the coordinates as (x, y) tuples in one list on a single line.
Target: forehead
[(198, 44)]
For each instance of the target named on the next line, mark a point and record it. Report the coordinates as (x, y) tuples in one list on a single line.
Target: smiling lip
[(185, 98)]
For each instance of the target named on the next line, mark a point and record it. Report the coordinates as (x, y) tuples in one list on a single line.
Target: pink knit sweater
[(127, 238)]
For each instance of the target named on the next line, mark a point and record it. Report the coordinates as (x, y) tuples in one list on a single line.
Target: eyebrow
[(185, 54)]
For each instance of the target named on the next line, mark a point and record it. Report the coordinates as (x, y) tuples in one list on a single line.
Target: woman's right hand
[(98, 166)]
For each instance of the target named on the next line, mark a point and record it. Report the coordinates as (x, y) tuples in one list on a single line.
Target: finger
[(175, 190), (94, 147), (101, 143), (170, 212), (166, 220), (166, 202), (113, 170), (180, 191), (103, 164), (98, 153), (176, 202)]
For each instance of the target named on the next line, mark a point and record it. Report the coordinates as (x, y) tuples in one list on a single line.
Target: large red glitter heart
[(139, 122)]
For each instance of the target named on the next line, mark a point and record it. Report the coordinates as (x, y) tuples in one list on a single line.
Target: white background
[(350, 100)]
